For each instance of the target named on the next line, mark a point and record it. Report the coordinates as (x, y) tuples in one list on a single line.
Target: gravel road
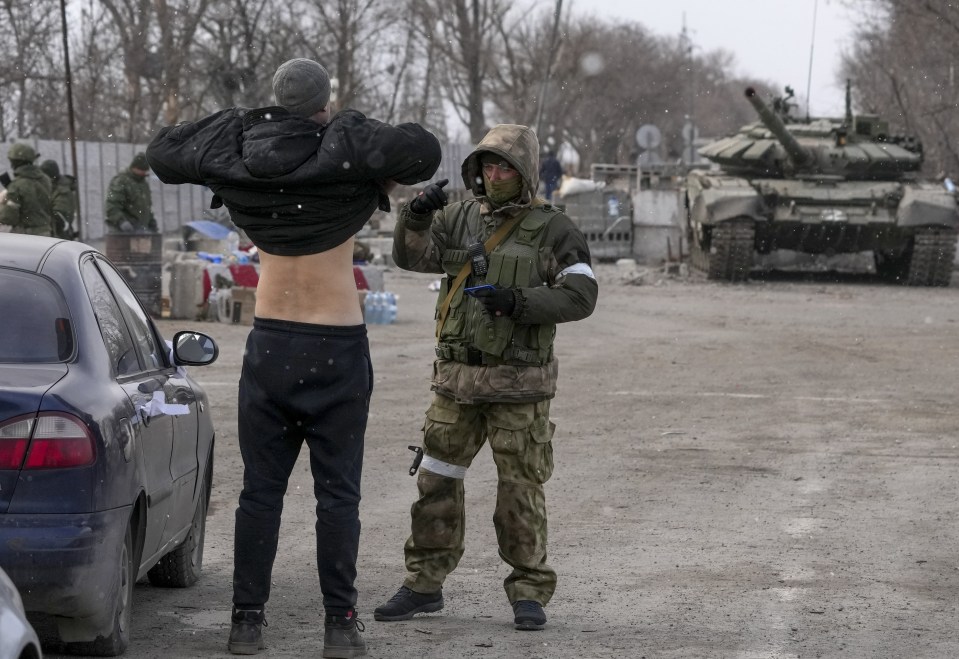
[(767, 470)]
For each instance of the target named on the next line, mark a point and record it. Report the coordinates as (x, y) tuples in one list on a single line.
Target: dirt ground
[(750, 471)]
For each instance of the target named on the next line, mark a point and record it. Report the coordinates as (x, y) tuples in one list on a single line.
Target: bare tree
[(177, 22), (466, 42), (27, 72), (238, 44), (903, 66), (132, 22)]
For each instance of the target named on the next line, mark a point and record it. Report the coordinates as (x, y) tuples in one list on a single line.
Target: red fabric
[(244, 275), (207, 286), (361, 283)]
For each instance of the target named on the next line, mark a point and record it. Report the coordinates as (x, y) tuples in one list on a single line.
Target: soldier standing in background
[(129, 206), (64, 200), (25, 205), (526, 267)]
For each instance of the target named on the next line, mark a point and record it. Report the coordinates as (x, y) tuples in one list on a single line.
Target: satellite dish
[(648, 137)]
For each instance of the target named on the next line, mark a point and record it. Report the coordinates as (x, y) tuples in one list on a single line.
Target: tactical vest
[(472, 336), (31, 188)]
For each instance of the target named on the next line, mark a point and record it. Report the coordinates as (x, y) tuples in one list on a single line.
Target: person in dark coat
[(550, 173), (300, 182)]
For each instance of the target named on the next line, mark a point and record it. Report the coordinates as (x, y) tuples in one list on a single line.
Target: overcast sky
[(770, 38)]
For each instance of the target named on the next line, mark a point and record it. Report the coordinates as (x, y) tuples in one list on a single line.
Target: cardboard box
[(244, 305)]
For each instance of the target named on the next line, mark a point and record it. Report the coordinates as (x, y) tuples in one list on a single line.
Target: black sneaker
[(528, 615), (407, 603), (246, 634), (342, 639)]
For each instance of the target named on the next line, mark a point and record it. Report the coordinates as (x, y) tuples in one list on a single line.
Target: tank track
[(933, 254), (730, 254)]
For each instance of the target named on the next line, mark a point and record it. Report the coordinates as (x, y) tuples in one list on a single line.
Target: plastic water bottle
[(390, 307), (232, 242), (374, 308), (368, 308)]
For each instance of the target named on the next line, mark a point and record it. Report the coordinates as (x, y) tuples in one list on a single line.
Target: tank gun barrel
[(774, 123)]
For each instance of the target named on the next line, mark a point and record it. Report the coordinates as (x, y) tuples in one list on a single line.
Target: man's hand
[(431, 198), (497, 301)]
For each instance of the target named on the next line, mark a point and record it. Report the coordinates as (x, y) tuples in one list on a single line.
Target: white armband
[(577, 269)]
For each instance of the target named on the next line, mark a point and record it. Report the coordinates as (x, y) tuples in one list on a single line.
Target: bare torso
[(315, 288)]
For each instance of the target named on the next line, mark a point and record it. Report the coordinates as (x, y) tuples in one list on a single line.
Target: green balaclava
[(500, 192)]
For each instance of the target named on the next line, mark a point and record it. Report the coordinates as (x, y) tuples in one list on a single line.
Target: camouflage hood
[(519, 146)]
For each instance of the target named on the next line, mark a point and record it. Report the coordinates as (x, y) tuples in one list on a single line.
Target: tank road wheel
[(933, 254), (730, 255)]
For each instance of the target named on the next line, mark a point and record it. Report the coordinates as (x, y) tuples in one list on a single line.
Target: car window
[(34, 320), (143, 335), (116, 338)]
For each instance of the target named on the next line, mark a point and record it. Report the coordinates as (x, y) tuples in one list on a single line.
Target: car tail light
[(14, 437), (48, 441)]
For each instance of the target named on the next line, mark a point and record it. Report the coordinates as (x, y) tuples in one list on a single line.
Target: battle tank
[(819, 186)]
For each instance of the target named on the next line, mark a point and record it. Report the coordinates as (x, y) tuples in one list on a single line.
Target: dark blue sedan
[(106, 443)]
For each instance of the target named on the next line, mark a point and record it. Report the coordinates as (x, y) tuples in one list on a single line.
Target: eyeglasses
[(503, 168)]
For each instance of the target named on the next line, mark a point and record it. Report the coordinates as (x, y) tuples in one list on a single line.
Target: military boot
[(406, 603), (246, 634), (528, 615), (342, 639)]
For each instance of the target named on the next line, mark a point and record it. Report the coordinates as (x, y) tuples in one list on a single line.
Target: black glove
[(497, 301), (431, 198)]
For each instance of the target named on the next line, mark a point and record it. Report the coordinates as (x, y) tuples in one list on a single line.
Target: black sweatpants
[(312, 383)]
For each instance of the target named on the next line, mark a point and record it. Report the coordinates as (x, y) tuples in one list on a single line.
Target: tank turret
[(853, 147), (799, 156)]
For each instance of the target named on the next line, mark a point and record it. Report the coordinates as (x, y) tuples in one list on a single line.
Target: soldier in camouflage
[(64, 200), (495, 371), (25, 205), (129, 206)]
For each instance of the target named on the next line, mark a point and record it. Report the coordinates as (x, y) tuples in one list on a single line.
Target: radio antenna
[(812, 44)]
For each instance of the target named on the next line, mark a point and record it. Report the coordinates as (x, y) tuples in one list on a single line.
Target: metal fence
[(173, 205)]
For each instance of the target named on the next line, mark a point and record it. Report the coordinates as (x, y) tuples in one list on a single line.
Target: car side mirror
[(194, 349)]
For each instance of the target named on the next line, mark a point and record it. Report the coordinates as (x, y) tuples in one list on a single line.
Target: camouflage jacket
[(64, 206), (28, 207), (545, 260), (128, 199)]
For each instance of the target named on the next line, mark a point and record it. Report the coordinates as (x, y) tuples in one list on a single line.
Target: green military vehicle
[(819, 186)]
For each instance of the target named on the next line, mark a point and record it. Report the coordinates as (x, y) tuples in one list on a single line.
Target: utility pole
[(689, 126), (554, 35), (70, 115)]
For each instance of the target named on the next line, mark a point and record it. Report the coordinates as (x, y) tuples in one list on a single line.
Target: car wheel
[(181, 567), (116, 643)]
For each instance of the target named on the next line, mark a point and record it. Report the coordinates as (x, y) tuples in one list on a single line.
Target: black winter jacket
[(295, 187)]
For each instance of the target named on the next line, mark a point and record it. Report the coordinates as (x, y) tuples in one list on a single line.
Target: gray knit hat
[(301, 86)]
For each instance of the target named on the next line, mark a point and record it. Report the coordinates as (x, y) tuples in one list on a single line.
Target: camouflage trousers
[(520, 437)]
